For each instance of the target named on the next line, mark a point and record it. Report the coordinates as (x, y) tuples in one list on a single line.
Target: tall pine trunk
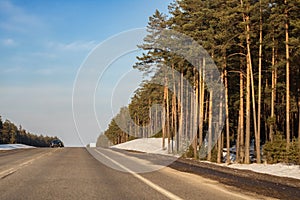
[(226, 113), (287, 76), (210, 128), (174, 110), (181, 116), (257, 141), (168, 115), (220, 143), (164, 115), (248, 86), (241, 151), (273, 92), (201, 103), (195, 113)]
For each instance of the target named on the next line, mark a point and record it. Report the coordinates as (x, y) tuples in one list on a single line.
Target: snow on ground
[(154, 145), (147, 145), (14, 146), (280, 169)]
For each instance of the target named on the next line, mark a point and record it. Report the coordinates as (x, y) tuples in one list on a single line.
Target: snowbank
[(147, 145), (153, 145), (14, 146), (283, 170)]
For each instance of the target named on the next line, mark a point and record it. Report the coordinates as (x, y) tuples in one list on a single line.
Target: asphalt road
[(76, 173)]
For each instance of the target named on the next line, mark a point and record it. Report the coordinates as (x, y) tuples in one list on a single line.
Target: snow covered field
[(154, 145), (4, 147)]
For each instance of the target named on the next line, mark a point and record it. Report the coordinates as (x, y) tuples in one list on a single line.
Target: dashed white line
[(12, 170)]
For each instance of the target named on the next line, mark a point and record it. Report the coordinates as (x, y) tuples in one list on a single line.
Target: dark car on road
[(56, 143)]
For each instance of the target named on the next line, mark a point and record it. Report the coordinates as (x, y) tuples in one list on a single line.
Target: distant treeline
[(11, 134)]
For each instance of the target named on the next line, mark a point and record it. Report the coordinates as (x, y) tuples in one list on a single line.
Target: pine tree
[(255, 45)]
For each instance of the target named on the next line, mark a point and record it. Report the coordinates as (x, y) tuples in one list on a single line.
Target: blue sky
[(43, 44)]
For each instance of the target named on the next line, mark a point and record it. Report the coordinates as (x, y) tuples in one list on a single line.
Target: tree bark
[(273, 92), (248, 89), (174, 110), (241, 126), (168, 114), (258, 160), (164, 125), (227, 117), (195, 135), (210, 125), (220, 144), (201, 103), (287, 76), (180, 104)]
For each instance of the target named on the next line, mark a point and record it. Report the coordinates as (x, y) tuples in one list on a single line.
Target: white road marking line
[(14, 169), (146, 181), (7, 172)]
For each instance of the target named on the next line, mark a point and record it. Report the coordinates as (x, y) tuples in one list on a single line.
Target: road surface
[(73, 173)]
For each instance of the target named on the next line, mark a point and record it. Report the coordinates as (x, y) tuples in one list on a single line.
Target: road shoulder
[(260, 184)]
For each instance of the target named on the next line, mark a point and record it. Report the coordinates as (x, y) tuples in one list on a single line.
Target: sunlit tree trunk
[(181, 116), (226, 107), (168, 115), (220, 143), (201, 103), (241, 152), (257, 141), (164, 115), (287, 76), (195, 113), (186, 112), (220, 148), (227, 117), (273, 92), (248, 88), (247, 138), (238, 139), (174, 110), (210, 128)]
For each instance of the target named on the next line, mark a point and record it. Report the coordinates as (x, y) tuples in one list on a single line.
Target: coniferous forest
[(256, 47), (11, 134)]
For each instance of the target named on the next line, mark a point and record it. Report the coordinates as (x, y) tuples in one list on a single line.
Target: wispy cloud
[(73, 46), (17, 19), (7, 70), (9, 42), (46, 71), (52, 71), (44, 55)]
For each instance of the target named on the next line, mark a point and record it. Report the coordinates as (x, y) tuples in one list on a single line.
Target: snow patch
[(279, 169), (4, 147), (154, 145), (147, 145)]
